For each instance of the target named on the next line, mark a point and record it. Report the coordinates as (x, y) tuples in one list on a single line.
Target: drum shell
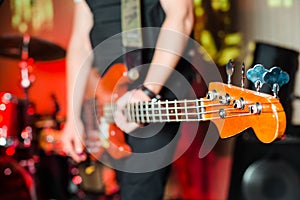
[(9, 126)]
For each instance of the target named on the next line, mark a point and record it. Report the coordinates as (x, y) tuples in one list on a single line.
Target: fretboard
[(166, 111)]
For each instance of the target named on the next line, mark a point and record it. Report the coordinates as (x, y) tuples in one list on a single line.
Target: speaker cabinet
[(271, 55), (269, 171), (265, 171)]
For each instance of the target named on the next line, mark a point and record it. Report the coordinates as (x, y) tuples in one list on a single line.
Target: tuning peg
[(229, 70), (255, 75), (243, 75), (276, 78)]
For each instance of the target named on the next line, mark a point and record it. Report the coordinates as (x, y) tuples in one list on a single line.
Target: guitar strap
[(131, 32)]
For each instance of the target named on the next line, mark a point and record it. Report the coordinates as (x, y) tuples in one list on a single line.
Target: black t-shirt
[(107, 41)]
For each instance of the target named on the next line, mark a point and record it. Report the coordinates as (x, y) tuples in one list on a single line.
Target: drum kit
[(17, 116), (30, 149), (20, 125)]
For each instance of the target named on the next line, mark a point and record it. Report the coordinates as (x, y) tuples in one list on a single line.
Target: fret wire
[(156, 112), (176, 111), (167, 110), (145, 108), (155, 108), (160, 114), (163, 111), (150, 112), (185, 109), (167, 114), (147, 112), (137, 112), (148, 120), (132, 112), (142, 112), (153, 111)]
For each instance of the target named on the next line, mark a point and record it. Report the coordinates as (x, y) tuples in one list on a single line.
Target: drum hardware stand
[(26, 82), (26, 135)]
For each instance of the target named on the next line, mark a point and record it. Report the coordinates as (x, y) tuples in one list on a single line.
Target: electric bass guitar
[(232, 109)]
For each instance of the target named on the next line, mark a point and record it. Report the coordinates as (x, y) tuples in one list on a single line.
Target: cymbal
[(39, 49)]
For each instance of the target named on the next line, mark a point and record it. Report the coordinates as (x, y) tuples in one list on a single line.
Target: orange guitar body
[(107, 90)]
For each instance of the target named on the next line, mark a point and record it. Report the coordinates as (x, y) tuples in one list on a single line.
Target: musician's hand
[(129, 97), (72, 140)]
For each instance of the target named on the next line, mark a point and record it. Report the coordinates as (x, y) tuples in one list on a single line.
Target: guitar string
[(190, 116)]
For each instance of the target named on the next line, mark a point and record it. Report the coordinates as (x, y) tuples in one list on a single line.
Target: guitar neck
[(230, 108), (166, 111)]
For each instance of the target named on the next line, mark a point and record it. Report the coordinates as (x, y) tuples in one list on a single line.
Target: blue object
[(276, 75), (256, 73)]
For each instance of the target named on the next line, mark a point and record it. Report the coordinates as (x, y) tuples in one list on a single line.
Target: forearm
[(175, 32), (79, 63), (79, 59)]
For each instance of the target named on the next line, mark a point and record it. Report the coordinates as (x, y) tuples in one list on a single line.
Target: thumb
[(78, 154), (78, 146)]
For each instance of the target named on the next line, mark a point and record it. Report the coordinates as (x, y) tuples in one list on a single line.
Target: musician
[(95, 21)]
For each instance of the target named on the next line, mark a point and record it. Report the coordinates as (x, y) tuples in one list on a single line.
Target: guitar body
[(106, 90)]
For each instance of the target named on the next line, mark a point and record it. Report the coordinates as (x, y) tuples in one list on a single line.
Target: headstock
[(234, 109)]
